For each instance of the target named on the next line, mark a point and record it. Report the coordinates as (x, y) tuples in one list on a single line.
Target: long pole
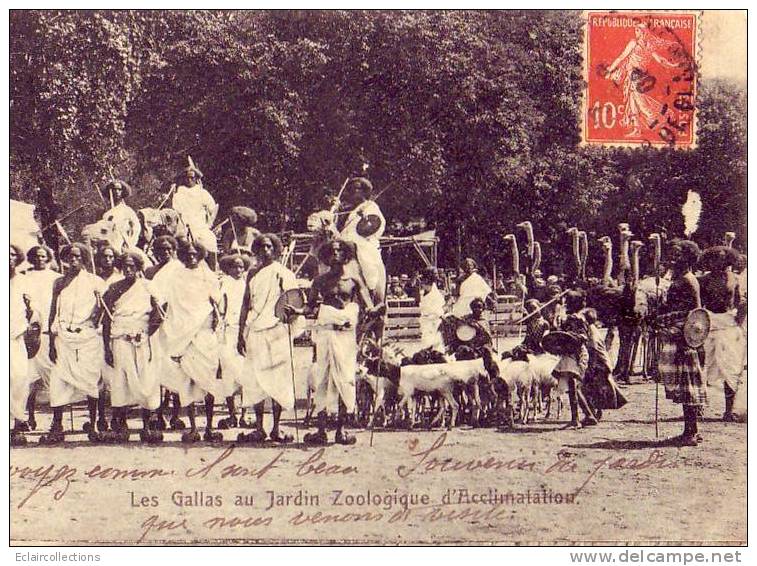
[(381, 359), (496, 304), (291, 366), (168, 196)]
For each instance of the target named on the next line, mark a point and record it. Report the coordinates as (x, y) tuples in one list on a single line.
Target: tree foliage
[(468, 120)]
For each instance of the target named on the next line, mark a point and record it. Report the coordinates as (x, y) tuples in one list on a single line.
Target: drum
[(368, 225), (294, 297), (561, 343), (465, 332)]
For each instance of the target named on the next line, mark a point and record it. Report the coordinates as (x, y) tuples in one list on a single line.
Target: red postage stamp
[(641, 79)]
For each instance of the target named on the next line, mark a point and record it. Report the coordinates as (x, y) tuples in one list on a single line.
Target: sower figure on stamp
[(233, 287), (132, 318), (628, 70), (75, 345), (189, 345), (678, 364), (19, 363), (264, 340), (38, 284), (334, 297), (161, 275)]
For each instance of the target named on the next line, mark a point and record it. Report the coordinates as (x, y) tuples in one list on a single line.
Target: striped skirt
[(679, 369)]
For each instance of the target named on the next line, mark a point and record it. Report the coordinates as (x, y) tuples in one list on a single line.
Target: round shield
[(368, 225), (465, 332), (696, 328), (560, 343), (32, 339), (294, 297)]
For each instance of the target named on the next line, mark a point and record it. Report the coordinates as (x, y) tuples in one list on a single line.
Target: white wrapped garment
[(134, 379), (76, 373), (268, 367), (336, 362), (19, 363), (725, 351)]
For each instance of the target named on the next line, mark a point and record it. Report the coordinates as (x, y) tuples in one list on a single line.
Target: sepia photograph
[(378, 277)]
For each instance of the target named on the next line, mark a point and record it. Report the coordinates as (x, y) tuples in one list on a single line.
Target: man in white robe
[(127, 341), (265, 340), (188, 343), (233, 288), (38, 285), (75, 345), (473, 287), (432, 310), (197, 210), (358, 192), (19, 366), (127, 227)]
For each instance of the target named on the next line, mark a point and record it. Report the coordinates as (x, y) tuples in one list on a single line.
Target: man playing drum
[(265, 340)]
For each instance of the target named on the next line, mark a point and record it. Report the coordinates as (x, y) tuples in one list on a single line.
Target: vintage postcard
[(377, 277)]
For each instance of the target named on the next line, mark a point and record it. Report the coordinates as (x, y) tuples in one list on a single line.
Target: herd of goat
[(396, 392)]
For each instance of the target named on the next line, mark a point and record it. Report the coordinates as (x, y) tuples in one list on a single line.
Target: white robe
[(19, 363), (39, 287), (134, 379), (187, 335), (76, 373), (115, 276), (474, 287), (127, 225), (232, 363), (368, 249), (268, 368), (432, 310), (197, 210), (336, 363), (725, 351)]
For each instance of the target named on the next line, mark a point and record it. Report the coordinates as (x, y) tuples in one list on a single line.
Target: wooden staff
[(381, 358), (496, 304), (234, 231), (291, 365)]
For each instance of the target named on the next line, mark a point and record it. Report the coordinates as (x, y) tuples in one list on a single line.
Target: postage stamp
[(641, 75)]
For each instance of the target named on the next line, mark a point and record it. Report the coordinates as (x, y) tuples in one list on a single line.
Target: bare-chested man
[(334, 297)]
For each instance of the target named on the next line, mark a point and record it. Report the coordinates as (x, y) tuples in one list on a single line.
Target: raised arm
[(626, 52)]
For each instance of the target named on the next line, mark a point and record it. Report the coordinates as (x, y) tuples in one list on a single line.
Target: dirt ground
[(539, 484)]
